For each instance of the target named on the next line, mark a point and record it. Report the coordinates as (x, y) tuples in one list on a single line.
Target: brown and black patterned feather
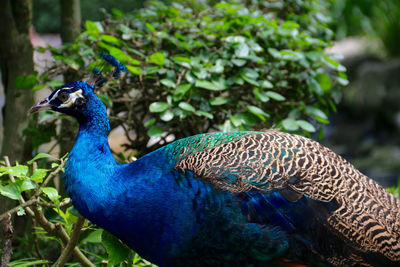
[(367, 217)]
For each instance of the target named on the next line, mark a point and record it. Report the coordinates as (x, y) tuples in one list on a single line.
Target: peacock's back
[(363, 214)]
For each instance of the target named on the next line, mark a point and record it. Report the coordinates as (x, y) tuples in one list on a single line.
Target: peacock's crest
[(97, 78)]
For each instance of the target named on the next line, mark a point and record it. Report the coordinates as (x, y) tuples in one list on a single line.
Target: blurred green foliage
[(368, 17), (46, 13), (196, 68)]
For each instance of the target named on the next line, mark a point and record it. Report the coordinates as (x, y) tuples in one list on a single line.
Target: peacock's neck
[(89, 167), (94, 119)]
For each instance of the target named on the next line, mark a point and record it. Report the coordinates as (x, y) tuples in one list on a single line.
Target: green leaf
[(291, 55), (11, 191), (156, 107), (150, 27), (155, 131), (318, 114), (275, 96), (342, 81), (133, 61), (290, 124), (266, 84), (14, 190), (183, 88), (116, 250), (324, 81), (333, 64), (106, 100), (109, 39), (133, 69), (186, 106), (239, 62), (150, 122), (40, 156), (166, 115), (258, 112), (54, 165), (236, 121), (205, 114), (157, 58), (235, 39), (51, 193), (213, 86), (249, 73), (38, 175), (183, 61), (38, 88), (92, 28), (116, 12), (260, 95), (20, 171), (305, 125), (55, 83), (168, 83), (21, 211), (26, 82), (93, 237), (315, 87), (242, 50), (274, 53), (28, 262), (26, 185), (217, 101)]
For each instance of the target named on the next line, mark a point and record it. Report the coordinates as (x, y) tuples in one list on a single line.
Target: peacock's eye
[(63, 96), (79, 102)]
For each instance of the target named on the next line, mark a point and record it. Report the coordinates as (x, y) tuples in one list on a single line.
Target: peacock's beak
[(42, 105)]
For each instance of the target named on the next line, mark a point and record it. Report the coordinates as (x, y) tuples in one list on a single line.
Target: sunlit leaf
[(290, 124), (158, 107), (51, 193), (157, 58), (187, 107), (40, 156), (305, 125)]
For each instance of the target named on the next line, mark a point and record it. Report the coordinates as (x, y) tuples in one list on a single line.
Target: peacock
[(251, 198)]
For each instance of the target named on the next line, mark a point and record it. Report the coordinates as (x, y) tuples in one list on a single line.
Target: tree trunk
[(70, 30), (70, 20), (16, 58)]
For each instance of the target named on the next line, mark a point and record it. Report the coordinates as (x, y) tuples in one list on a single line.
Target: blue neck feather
[(127, 200)]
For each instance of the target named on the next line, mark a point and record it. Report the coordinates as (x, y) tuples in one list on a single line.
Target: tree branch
[(58, 231), (66, 253)]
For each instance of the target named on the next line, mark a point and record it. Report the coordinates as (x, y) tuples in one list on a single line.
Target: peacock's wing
[(366, 216)]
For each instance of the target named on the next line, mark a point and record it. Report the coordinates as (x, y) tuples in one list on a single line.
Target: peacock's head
[(70, 99), (78, 99)]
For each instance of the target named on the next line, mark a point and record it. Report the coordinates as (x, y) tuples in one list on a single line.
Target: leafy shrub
[(225, 67)]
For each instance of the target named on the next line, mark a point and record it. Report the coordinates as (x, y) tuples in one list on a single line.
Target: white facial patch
[(71, 100)]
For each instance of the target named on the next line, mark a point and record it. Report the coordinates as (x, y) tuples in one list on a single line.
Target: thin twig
[(66, 253), (58, 231), (51, 176), (17, 208), (7, 248)]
